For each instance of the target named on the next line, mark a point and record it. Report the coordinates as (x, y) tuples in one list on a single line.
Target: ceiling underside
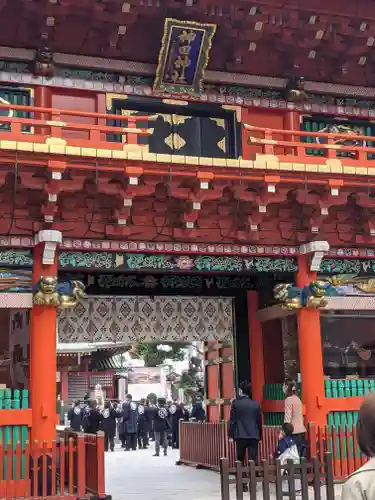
[(331, 41)]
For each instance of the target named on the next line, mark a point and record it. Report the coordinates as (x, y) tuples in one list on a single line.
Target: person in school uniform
[(109, 415), (152, 409), (185, 413), (130, 423), (93, 418), (161, 427), (75, 417), (144, 424), (198, 412), (176, 415)]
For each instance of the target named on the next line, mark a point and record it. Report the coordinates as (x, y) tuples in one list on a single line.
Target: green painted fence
[(12, 434), (333, 389), (346, 389), (273, 392)]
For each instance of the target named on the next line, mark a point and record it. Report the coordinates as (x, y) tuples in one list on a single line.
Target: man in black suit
[(245, 424)]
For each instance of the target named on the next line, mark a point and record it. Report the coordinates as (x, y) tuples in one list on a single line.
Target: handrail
[(71, 112), (302, 133), (73, 125), (309, 145), (353, 148), (42, 128)]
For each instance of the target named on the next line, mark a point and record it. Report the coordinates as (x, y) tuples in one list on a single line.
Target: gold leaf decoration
[(180, 119), (222, 144), (128, 112), (179, 142), (220, 122), (169, 141), (166, 118), (175, 141)]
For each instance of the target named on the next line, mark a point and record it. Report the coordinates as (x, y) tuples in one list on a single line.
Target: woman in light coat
[(294, 415), (361, 484)]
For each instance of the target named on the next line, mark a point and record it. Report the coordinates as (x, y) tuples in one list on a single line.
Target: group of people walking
[(135, 424)]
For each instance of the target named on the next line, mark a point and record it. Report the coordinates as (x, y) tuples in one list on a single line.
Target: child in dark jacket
[(286, 440), (287, 450)]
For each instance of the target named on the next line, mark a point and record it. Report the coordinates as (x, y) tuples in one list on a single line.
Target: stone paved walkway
[(140, 476)]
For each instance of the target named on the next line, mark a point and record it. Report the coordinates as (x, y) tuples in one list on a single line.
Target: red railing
[(341, 443), (89, 472), (285, 143), (41, 471), (78, 128), (203, 444)]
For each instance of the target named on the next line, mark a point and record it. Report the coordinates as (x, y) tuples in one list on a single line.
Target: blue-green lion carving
[(49, 291)]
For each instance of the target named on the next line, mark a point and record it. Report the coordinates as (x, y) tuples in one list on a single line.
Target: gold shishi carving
[(46, 292), (62, 295)]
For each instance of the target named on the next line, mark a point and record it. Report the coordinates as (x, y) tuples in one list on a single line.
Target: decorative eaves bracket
[(317, 249), (51, 239)]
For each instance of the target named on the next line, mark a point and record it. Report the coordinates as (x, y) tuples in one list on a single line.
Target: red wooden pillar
[(226, 378), (219, 380), (43, 99), (64, 384), (212, 381), (310, 352), (256, 347), (43, 363), (292, 121)]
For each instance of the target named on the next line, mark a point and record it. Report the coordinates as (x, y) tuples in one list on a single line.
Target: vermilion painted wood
[(15, 417), (269, 140), (343, 445), (343, 404), (91, 456), (205, 443), (71, 112), (273, 406), (71, 472)]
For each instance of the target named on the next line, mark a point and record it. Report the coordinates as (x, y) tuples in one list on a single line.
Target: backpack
[(290, 453)]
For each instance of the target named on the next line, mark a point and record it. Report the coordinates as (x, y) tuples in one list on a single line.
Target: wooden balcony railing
[(26, 130), (33, 127), (312, 147)]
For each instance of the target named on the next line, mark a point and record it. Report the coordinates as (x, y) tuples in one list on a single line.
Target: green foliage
[(191, 384), (187, 381), (152, 356)]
